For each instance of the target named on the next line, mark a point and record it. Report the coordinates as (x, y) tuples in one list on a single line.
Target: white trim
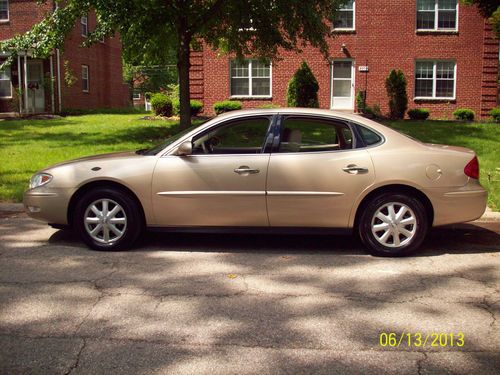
[(436, 19), (59, 89), (52, 95), (86, 68), (353, 77), (6, 20), (434, 80), (86, 24), (250, 96), (8, 70), (353, 28)]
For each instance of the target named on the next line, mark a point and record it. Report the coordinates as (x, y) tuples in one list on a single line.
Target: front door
[(223, 181), (36, 94), (316, 174), (342, 85)]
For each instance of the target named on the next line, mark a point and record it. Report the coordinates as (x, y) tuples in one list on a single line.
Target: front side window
[(302, 134), (250, 78), (437, 14), (243, 136), (5, 83), (85, 78), (84, 21), (4, 10), (344, 19), (435, 79)]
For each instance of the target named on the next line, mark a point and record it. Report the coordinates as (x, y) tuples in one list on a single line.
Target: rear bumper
[(458, 205), (47, 205)]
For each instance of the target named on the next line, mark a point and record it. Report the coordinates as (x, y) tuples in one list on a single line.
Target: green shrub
[(495, 114), (360, 101), (196, 107), (419, 113), (268, 106), (303, 88), (162, 105), (226, 106), (464, 114), (395, 85)]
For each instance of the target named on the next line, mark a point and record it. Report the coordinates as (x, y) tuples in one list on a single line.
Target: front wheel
[(108, 219), (393, 225)]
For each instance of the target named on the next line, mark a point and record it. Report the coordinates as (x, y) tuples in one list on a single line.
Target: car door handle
[(354, 169), (246, 170)]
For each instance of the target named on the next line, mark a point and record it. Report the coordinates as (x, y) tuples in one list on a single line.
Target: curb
[(488, 216)]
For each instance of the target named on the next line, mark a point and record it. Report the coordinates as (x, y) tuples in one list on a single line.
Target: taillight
[(472, 168)]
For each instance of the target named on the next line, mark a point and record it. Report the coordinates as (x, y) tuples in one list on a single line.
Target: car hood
[(110, 156)]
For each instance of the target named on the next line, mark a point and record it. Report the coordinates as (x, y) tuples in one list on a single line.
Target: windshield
[(156, 149)]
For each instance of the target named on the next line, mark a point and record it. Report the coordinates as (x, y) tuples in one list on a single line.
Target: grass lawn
[(29, 145)]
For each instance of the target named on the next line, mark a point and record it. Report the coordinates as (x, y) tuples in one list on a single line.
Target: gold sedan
[(287, 170)]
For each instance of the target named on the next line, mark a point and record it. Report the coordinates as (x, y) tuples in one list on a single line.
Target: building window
[(136, 95), (437, 15), (85, 78), (435, 79), (4, 10), (345, 17), (5, 83), (250, 78), (84, 21)]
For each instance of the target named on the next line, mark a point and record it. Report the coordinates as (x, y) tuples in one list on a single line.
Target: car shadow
[(456, 239)]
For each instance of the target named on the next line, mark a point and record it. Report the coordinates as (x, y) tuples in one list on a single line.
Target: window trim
[(134, 96), (6, 20), (86, 24), (353, 28), (250, 96), (9, 70), (436, 29), (434, 80), (86, 67)]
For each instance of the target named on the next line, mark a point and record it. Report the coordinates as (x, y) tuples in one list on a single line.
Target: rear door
[(315, 173)]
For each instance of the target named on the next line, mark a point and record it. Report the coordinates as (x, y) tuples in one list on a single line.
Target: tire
[(124, 227), (401, 229)]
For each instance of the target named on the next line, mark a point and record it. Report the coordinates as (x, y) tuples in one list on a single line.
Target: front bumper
[(49, 205)]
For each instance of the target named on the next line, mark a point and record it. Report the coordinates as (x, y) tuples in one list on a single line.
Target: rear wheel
[(393, 225), (108, 219)]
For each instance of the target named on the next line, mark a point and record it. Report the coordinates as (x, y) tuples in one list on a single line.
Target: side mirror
[(185, 148)]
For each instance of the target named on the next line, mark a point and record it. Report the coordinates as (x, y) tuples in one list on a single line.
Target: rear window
[(369, 136)]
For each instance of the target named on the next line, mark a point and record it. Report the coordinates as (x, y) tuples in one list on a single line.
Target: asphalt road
[(243, 304)]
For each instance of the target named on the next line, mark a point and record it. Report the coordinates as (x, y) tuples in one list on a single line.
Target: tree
[(303, 88), (149, 29), (395, 85), (489, 9)]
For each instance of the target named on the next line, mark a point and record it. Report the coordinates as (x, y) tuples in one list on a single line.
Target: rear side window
[(302, 134), (369, 136)]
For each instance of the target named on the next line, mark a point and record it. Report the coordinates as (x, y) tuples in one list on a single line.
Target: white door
[(342, 84), (36, 93)]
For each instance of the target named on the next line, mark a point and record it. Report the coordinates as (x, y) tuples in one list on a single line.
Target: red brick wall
[(385, 38)]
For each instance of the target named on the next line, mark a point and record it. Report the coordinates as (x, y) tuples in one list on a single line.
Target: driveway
[(247, 304)]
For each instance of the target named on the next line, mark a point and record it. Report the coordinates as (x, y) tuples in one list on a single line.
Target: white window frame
[(249, 61), (85, 71), (136, 95), (434, 80), (436, 18), (3, 20), (9, 73), (353, 18), (84, 21)]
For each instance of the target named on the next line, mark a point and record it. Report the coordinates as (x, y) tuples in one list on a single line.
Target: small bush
[(419, 114), (268, 106), (360, 101), (395, 85), (162, 105), (464, 114), (226, 106), (196, 107), (303, 88), (495, 114)]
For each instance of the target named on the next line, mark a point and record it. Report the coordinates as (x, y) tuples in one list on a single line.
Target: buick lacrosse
[(289, 170)]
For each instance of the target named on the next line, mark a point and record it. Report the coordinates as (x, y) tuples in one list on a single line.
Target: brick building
[(71, 78), (446, 50)]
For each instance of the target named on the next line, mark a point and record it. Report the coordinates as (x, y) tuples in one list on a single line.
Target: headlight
[(40, 179)]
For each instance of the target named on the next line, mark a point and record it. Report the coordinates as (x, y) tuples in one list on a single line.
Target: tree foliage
[(489, 9), (151, 29), (303, 88), (395, 85)]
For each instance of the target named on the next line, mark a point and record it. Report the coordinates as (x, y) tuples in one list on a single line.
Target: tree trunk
[(183, 65)]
